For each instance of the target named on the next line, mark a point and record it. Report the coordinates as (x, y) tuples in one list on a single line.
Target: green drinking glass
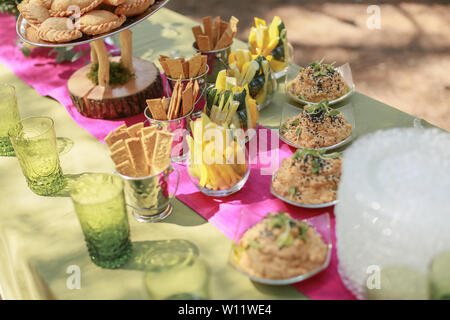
[(177, 276), (34, 143), (439, 276), (9, 115), (100, 206)]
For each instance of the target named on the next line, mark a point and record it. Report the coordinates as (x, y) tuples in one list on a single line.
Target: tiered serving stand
[(103, 100)]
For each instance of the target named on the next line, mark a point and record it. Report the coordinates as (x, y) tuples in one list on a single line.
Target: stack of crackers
[(179, 105), (216, 34), (139, 151), (179, 68)]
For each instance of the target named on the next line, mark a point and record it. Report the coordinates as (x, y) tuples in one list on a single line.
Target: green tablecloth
[(40, 236)]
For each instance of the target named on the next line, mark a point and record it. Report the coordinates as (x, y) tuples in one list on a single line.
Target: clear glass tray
[(294, 70), (301, 205), (321, 224), (347, 111)]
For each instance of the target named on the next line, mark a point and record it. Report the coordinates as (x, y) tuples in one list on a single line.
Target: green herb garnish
[(303, 229), (285, 239), (301, 153), (279, 220), (283, 220), (292, 192), (333, 113), (298, 131), (316, 166), (117, 73), (321, 68), (321, 108)]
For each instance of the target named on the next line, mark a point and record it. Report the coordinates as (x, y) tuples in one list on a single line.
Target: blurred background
[(405, 63)]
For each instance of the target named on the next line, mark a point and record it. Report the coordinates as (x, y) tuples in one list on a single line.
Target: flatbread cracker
[(186, 70), (162, 152), (204, 61), (194, 65), (165, 104), (196, 89), (172, 101), (111, 138), (136, 150), (207, 26), (149, 141), (175, 68), (145, 131), (126, 169), (177, 104), (187, 102), (215, 31), (123, 127), (156, 109), (133, 130), (165, 67), (223, 26), (123, 134), (228, 35), (120, 155), (197, 31), (203, 43), (117, 145)]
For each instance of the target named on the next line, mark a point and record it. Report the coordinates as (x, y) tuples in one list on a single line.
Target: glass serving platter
[(350, 91), (290, 111), (321, 224), (344, 70), (297, 204), (22, 24)]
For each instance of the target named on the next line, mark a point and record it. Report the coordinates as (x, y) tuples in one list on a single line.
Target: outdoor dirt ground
[(405, 64)]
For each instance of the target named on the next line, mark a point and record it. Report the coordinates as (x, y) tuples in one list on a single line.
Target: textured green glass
[(34, 143), (439, 277), (178, 276), (100, 206), (9, 115)]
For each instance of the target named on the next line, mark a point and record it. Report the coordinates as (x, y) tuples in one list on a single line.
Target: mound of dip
[(317, 126), (280, 247), (309, 177), (317, 82)]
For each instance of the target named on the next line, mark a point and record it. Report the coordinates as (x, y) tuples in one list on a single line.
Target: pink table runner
[(50, 79)]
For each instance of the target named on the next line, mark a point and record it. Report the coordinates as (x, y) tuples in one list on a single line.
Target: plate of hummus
[(317, 126), (319, 81), (280, 250), (308, 179)]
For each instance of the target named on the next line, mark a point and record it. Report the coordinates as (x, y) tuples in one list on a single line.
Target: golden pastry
[(100, 21), (113, 2), (33, 12), (45, 3), (32, 34), (56, 29), (62, 8), (133, 7)]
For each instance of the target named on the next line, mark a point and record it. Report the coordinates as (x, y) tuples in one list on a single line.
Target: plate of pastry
[(62, 23)]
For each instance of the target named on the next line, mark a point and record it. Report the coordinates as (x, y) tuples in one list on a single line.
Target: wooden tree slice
[(116, 101)]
